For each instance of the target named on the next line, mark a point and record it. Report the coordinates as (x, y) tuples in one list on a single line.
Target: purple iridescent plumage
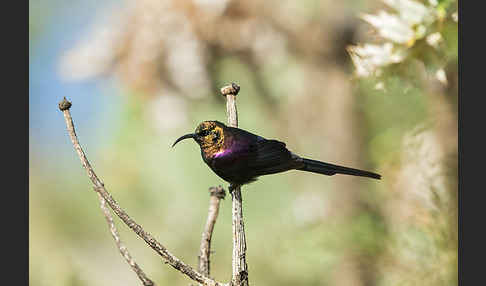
[(240, 157), (246, 156), (221, 153)]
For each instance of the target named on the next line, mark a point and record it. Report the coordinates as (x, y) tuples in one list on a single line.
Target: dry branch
[(148, 238), (216, 194), (123, 250), (240, 268)]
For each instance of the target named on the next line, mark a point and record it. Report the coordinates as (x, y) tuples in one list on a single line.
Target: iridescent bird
[(240, 157)]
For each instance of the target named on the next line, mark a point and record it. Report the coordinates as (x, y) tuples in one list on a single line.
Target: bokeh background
[(364, 83)]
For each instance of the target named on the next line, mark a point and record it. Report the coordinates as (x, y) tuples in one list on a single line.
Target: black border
[(471, 143), (15, 141)]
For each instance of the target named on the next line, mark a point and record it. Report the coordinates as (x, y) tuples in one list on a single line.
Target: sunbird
[(240, 157)]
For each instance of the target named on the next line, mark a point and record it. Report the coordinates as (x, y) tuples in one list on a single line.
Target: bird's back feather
[(250, 156)]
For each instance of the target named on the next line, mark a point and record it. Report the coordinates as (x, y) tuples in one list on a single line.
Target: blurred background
[(371, 84)]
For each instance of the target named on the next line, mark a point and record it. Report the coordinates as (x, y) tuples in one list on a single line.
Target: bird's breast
[(222, 153), (224, 157), (227, 165), (225, 154)]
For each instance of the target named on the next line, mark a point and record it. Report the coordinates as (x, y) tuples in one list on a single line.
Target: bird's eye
[(203, 133), (215, 136)]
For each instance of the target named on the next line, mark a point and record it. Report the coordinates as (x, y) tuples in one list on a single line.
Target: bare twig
[(148, 238), (123, 250), (240, 268), (217, 193)]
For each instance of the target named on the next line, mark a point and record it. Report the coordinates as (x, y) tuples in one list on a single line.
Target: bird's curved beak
[(192, 135)]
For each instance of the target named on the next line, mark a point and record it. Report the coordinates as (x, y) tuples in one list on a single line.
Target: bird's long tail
[(330, 169)]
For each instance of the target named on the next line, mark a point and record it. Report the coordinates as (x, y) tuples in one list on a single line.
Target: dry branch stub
[(216, 195)]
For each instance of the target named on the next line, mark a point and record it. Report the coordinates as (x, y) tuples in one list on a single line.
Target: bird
[(239, 157)]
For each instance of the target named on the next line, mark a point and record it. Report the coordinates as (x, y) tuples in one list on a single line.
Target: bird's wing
[(269, 157)]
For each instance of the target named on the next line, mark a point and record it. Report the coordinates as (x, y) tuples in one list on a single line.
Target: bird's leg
[(231, 188)]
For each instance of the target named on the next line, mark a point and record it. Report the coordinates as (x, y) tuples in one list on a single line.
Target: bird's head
[(208, 134)]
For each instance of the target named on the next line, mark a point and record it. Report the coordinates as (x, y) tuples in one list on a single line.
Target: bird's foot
[(231, 188)]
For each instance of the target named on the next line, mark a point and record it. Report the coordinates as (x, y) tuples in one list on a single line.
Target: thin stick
[(123, 250), (217, 193), (240, 268), (147, 237)]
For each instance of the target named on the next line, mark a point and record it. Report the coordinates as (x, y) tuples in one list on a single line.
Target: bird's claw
[(231, 188)]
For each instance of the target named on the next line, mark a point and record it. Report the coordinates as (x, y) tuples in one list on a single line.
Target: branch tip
[(64, 104), (230, 89), (218, 192)]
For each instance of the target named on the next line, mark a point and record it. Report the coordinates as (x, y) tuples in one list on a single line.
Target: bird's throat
[(214, 150)]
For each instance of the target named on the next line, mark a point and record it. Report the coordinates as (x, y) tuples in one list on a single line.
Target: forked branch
[(99, 187), (123, 250)]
